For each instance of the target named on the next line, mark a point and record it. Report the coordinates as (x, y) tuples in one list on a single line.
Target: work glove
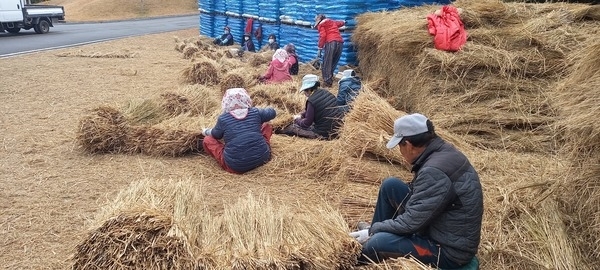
[(206, 132), (297, 116), (361, 236)]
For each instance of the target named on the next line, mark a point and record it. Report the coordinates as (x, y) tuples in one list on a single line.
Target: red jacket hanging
[(447, 29)]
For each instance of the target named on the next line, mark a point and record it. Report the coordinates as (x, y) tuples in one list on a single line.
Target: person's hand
[(297, 116), (361, 236), (205, 132)]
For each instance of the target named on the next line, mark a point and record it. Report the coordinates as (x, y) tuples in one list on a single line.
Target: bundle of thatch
[(103, 131), (496, 85), (232, 80), (142, 229), (370, 124), (201, 73), (579, 130), (161, 142), (107, 131), (165, 225), (267, 235)]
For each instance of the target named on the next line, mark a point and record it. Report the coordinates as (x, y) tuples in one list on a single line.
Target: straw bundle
[(133, 240), (104, 131), (283, 237), (201, 73), (232, 80), (160, 142), (189, 52), (260, 59), (175, 104), (201, 99), (283, 95), (142, 229), (143, 111)]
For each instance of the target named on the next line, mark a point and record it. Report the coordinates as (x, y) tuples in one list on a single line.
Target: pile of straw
[(496, 85), (232, 80), (134, 241), (579, 132), (201, 73), (370, 123), (165, 225), (104, 131)]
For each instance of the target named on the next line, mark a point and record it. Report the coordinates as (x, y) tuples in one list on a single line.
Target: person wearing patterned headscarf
[(244, 131), (279, 68)]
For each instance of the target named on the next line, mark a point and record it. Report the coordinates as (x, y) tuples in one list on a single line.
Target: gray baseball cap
[(308, 81), (406, 126)]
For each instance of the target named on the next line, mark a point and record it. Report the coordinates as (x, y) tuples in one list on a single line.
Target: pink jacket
[(278, 72)]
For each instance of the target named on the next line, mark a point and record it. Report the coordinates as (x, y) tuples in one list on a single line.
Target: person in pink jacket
[(279, 68)]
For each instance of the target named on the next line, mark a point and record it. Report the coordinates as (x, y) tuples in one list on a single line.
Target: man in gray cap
[(436, 218)]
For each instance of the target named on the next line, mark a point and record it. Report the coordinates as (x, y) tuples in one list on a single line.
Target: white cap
[(406, 126), (308, 81)]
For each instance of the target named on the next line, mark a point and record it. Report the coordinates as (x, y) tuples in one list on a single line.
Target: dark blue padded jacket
[(245, 146), (347, 92)]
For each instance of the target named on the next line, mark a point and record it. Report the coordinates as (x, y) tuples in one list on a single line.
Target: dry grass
[(534, 201)]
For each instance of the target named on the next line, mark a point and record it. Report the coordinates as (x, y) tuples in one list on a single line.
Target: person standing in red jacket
[(331, 42)]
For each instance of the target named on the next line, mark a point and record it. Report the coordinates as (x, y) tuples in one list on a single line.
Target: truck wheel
[(42, 27), (13, 30)]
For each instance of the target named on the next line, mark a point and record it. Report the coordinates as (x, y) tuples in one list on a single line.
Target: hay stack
[(369, 125), (189, 52), (134, 241), (165, 225), (579, 132), (201, 73), (498, 84), (264, 235), (104, 131), (142, 229), (232, 80)]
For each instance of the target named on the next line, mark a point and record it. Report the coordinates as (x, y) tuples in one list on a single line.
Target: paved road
[(74, 34)]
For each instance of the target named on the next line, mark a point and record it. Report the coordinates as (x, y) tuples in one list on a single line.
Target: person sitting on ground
[(245, 132), (321, 118), (293, 58), (272, 45), (226, 38), (278, 70), (349, 87), (248, 45), (436, 218)]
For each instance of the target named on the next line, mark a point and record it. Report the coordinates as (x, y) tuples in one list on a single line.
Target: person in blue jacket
[(349, 87), (245, 133), (226, 38)]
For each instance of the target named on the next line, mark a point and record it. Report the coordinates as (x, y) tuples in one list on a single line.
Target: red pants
[(215, 147)]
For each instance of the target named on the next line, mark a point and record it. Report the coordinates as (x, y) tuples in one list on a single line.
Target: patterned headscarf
[(281, 55), (236, 102)]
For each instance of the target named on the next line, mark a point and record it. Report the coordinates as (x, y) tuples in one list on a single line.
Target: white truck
[(20, 14)]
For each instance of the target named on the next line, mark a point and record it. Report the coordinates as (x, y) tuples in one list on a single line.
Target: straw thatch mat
[(165, 225), (520, 101)]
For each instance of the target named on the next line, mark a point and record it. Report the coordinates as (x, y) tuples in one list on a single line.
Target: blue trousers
[(391, 201)]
